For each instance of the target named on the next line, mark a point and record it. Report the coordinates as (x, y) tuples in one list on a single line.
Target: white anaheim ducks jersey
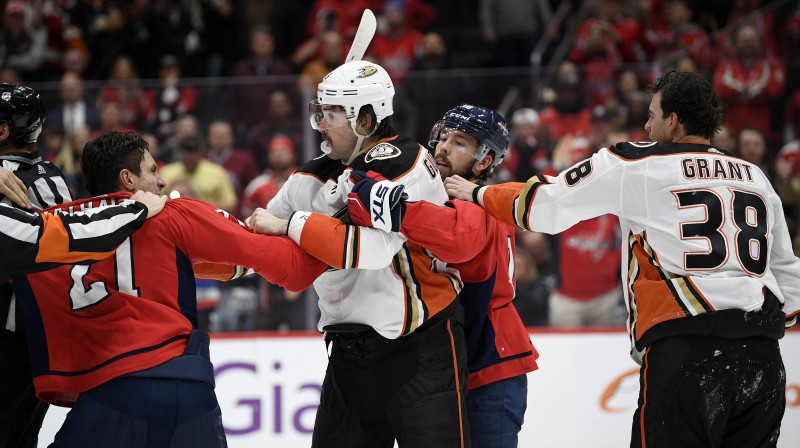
[(394, 299), (705, 230)]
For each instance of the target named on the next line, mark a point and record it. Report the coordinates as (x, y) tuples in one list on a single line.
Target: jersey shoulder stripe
[(323, 168), (640, 150), (391, 157)]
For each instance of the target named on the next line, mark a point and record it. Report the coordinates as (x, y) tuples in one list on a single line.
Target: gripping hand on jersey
[(459, 188), (376, 201), (13, 188)]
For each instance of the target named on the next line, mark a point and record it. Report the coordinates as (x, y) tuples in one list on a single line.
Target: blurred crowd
[(220, 87)]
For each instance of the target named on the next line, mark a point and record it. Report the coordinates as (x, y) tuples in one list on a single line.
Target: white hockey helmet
[(353, 85)]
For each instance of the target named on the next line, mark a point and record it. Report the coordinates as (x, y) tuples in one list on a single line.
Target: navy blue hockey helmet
[(22, 109), (486, 125)]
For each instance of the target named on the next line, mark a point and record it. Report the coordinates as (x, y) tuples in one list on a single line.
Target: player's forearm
[(500, 201), (454, 233), (281, 262), (343, 246)]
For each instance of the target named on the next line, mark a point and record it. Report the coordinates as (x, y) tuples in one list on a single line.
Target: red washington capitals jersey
[(86, 325), (481, 248)]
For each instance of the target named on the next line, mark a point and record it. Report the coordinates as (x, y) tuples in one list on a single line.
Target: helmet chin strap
[(357, 148), (359, 141)]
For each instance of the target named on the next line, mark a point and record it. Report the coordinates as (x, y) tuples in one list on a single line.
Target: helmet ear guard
[(22, 109)]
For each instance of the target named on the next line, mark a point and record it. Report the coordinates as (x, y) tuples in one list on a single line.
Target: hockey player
[(471, 142), (710, 274), (118, 340), (397, 366)]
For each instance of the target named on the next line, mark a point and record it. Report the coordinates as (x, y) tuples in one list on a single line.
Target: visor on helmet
[(457, 139), (324, 116)]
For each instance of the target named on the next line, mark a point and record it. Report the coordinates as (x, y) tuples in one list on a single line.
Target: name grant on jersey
[(716, 168)]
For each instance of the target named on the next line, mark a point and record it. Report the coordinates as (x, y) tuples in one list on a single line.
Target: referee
[(21, 118)]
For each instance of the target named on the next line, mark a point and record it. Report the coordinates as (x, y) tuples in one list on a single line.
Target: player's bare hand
[(459, 188), (153, 202), (13, 188), (264, 222)]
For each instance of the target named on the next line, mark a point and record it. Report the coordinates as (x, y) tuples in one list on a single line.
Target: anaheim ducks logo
[(364, 72), (6, 96), (382, 151)]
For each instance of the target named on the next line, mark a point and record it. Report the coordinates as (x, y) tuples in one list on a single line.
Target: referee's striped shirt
[(32, 242), (46, 188)]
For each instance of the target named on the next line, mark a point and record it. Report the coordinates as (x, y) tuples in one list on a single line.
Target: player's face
[(148, 178), (333, 125), (455, 153), (657, 125), (341, 141)]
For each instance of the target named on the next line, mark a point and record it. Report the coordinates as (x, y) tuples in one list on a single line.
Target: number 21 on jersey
[(83, 295)]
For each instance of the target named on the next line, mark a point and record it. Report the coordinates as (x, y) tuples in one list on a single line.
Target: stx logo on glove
[(376, 202), (377, 209)]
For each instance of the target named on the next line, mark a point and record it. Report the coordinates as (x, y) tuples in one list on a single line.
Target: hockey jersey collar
[(28, 158), (94, 202)]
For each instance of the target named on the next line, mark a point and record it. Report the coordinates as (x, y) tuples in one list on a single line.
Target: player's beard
[(465, 172)]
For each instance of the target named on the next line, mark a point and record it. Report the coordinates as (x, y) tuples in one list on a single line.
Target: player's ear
[(482, 164), (126, 180), (674, 121), (4, 131), (365, 121)]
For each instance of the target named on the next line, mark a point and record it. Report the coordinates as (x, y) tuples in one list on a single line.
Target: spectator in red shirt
[(419, 14), (346, 15), (312, 48), (124, 88), (281, 159), (526, 155), (569, 113), (588, 255), (171, 99), (598, 54), (750, 12), (625, 31), (679, 36), (749, 84), (397, 46)]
